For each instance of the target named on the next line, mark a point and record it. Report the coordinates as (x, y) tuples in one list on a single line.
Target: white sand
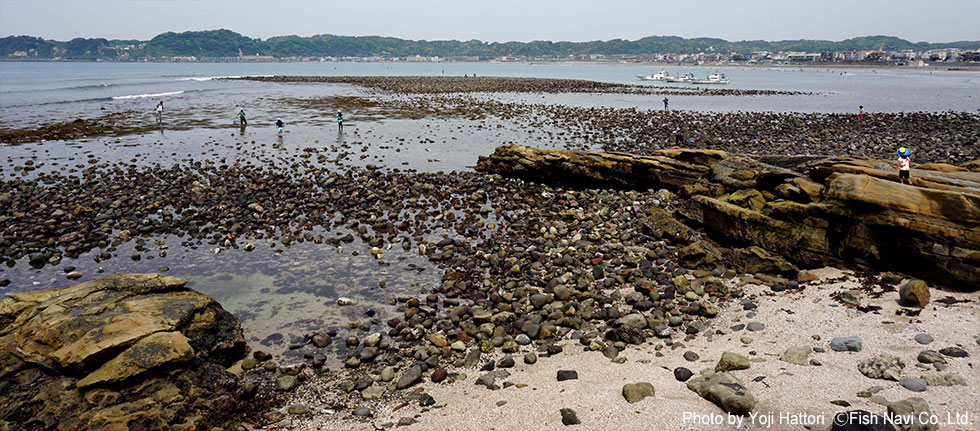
[(792, 389)]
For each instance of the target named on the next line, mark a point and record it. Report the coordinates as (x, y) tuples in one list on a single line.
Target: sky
[(499, 20)]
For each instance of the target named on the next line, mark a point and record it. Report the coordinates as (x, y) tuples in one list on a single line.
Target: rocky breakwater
[(122, 352), (813, 211)]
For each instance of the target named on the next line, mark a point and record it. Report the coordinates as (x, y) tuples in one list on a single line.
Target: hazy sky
[(499, 20)]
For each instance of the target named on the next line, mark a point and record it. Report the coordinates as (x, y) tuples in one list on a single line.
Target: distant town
[(228, 46)]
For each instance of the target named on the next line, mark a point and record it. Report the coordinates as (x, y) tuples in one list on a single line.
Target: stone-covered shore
[(540, 254)]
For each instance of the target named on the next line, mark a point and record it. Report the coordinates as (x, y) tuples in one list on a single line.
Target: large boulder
[(126, 351)]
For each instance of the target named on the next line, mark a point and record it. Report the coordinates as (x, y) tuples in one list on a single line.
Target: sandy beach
[(790, 397)]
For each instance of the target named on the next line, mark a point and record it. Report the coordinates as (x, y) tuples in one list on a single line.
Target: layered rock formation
[(123, 352), (813, 211)]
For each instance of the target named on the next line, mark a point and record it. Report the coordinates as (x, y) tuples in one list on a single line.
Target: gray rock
[(568, 417), (634, 392), (798, 355), (522, 339), (506, 362), (610, 352), (846, 344), (472, 358), (634, 320), (363, 412), (405, 421), (883, 366), (850, 297), (410, 378), (755, 326), (538, 300), (530, 358), (732, 361), (923, 338), (286, 383), (387, 374), (682, 374), (944, 379), (724, 390), (321, 340), (914, 385), (691, 356), (912, 407), (490, 378)]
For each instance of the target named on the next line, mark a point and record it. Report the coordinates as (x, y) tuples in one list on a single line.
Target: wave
[(213, 78), (75, 87), (142, 96)]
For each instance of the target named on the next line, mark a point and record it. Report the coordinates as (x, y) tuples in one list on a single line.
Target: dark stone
[(682, 374), (954, 352), (567, 375), (568, 417), (439, 375)]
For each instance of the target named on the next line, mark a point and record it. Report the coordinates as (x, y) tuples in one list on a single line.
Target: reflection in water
[(279, 293)]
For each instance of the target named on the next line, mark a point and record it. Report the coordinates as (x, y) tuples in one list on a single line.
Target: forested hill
[(226, 43)]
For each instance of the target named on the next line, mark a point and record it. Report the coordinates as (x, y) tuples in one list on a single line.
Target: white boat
[(687, 77), (659, 76), (714, 78)]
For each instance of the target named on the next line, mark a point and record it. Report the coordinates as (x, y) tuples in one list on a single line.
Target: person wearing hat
[(904, 166)]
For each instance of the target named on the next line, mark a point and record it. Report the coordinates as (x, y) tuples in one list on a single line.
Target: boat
[(714, 78), (687, 77), (659, 76)]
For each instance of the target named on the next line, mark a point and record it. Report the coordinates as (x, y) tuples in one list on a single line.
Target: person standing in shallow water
[(340, 119), (904, 166), (159, 112), (241, 117), (665, 104)]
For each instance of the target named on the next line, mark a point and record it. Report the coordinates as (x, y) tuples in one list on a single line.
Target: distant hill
[(226, 43)]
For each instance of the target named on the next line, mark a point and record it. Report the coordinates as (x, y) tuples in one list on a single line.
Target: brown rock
[(915, 293)]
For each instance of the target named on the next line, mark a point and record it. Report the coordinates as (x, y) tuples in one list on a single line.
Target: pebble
[(297, 409), (914, 385), (732, 361), (954, 352), (411, 377), (363, 412), (567, 375), (568, 417), (755, 326), (636, 392), (682, 374), (846, 344), (530, 358), (439, 375), (923, 338), (691, 356)]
